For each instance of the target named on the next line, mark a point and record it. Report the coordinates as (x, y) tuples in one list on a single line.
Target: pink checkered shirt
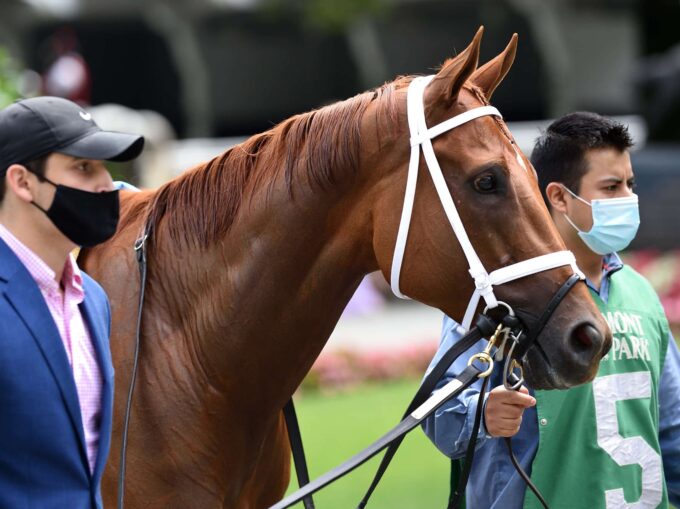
[(73, 332)]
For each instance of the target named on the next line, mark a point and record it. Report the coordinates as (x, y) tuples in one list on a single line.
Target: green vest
[(599, 442)]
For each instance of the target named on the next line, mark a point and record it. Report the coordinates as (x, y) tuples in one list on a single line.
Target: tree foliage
[(328, 15), (10, 78)]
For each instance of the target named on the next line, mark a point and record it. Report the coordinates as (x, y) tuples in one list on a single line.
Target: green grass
[(335, 427)]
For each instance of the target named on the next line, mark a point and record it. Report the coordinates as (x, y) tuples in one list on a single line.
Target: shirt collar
[(72, 278), (43, 275), (611, 263)]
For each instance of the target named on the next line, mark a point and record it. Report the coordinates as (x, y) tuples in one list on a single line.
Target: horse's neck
[(270, 293)]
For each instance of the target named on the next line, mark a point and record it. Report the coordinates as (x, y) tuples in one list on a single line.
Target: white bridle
[(421, 136)]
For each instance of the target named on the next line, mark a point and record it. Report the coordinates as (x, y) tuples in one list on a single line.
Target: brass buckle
[(485, 358)]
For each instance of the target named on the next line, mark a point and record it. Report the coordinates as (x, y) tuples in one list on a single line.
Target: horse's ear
[(456, 71), (492, 73)]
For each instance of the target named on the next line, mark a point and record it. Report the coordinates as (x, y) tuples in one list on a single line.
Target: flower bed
[(663, 271), (343, 369)]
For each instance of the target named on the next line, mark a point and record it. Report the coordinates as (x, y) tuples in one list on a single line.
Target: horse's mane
[(200, 205)]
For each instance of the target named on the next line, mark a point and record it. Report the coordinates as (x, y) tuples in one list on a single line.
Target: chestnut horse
[(255, 253)]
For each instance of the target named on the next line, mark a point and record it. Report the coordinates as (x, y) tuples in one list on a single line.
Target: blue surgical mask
[(615, 223)]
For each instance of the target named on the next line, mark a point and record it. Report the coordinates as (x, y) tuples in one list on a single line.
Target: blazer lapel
[(98, 334), (24, 296)]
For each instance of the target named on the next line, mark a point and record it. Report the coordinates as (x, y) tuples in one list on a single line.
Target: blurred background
[(197, 76)]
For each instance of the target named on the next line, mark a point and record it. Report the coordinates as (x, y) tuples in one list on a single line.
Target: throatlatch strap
[(141, 256)]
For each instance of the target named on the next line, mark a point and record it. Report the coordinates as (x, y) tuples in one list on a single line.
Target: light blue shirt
[(494, 483), (120, 184)]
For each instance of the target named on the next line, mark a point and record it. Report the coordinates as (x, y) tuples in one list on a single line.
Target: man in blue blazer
[(56, 376)]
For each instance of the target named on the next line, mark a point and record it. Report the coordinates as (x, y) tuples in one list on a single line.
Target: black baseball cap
[(32, 128)]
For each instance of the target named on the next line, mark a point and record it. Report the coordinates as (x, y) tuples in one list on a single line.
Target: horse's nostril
[(585, 336)]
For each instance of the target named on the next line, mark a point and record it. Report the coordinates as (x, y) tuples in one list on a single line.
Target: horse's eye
[(486, 184)]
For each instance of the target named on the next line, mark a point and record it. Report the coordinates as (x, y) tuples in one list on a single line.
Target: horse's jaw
[(544, 378)]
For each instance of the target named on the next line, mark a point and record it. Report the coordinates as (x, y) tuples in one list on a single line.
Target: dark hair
[(36, 166), (559, 153)]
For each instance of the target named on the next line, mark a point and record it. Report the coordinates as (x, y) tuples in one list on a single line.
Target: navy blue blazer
[(43, 458)]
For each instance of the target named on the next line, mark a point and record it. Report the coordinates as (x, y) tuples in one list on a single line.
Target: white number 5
[(631, 450)]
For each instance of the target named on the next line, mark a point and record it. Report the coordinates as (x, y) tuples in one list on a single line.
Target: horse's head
[(496, 196)]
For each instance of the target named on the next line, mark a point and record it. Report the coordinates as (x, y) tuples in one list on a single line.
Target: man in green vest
[(613, 443)]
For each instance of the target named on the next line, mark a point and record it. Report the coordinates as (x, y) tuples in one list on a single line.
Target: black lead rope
[(484, 327), (523, 474), (451, 390), (459, 492)]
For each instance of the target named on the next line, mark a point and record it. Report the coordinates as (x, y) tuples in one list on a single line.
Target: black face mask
[(86, 218)]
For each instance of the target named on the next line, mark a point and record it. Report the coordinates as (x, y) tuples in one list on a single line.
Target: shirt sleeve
[(450, 426), (669, 420)]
